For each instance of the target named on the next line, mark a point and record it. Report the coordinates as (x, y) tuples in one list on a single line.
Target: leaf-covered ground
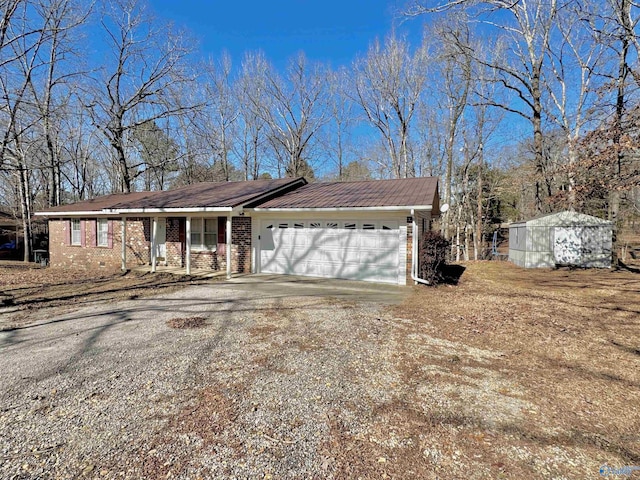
[(28, 293), (512, 373), (557, 396)]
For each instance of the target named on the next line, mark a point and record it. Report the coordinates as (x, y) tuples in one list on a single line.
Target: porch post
[(123, 224), (229, 245), (154, 246), (188, 245)]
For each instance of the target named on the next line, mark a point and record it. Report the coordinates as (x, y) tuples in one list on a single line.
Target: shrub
[(433, 249)]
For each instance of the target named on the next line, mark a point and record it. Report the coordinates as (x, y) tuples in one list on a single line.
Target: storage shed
[(565, 238)]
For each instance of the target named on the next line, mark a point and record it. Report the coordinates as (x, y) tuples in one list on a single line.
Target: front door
[(161, 240)]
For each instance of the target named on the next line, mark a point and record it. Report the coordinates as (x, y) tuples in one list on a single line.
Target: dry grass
[(520, 373), (27, 291), (510, 374)]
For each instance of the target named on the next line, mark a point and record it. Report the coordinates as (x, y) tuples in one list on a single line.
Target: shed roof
[(405, 192), (565, 219)]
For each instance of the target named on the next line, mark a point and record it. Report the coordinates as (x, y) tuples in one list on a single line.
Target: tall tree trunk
[(25, 209), (623, 72), (477, 244), (538, 149)]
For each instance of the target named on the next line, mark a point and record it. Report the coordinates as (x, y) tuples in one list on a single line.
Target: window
[(283, 225), (75, 232), (103, 232), (350, 225), (204, 233), (331, 224), (368, 226), (298, 225), (314, 225)]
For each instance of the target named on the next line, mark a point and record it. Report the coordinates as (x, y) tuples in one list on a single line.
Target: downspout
[(414, 251)]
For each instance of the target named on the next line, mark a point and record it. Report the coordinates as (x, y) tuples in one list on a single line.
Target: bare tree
[(574, 61), (24, 37), (221, 111), (337, 141), (527, 27), (389, 82), (296, 110), (454, 71), (61, 18), (254, 110), (147, 63)]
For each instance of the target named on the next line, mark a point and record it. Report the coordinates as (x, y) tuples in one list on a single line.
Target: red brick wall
[(174, 242), (240, 250), (241, 241), (62, 254)]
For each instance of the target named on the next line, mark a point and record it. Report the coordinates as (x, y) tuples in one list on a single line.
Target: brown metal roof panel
[(208, 194), (99, 203), (375, 193), (205, 194)]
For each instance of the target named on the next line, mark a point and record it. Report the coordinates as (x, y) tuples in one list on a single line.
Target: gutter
[(414, 251)]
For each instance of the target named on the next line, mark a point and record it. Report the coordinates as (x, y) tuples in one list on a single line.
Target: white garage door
[(357, 250)]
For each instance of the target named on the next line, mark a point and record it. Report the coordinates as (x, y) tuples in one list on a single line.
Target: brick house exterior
[(359, 230), (87, 254)]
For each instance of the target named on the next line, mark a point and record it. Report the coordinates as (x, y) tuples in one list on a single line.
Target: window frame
[(203, 233), (73, 223), (99, 223)]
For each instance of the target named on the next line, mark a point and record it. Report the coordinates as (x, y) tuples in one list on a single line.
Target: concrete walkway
[(298, 286)]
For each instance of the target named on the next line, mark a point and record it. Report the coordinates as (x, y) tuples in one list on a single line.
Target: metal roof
[(564, 219), (405, 192), (199, 195), (286, 193)]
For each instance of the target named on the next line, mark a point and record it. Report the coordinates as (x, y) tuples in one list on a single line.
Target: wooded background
[(520, 107)]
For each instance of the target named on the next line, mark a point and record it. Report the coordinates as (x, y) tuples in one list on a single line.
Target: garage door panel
[(360, 250)]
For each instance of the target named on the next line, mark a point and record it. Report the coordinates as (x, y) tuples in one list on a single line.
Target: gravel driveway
[(262, 390)]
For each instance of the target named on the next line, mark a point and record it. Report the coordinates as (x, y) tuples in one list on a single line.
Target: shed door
[(567, 245), (351, 249)]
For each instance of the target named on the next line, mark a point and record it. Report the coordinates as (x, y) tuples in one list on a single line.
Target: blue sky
[(330, 31)]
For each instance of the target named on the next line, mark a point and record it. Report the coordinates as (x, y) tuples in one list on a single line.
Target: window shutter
[(83, 233), (222, 229), (67, 232), (110, 233), (93, 233)]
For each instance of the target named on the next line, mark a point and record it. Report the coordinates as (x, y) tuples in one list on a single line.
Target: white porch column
[(123, 224), (154, 245), (228, 245), (188, 245)]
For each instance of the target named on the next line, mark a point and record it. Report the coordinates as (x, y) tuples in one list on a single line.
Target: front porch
[(208, 245)]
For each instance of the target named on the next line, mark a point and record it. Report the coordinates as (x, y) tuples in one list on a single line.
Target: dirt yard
[(28, 292), (510, 374)]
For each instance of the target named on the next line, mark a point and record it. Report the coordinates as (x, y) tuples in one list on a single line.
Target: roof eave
[(398, 208), (134, 211)]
